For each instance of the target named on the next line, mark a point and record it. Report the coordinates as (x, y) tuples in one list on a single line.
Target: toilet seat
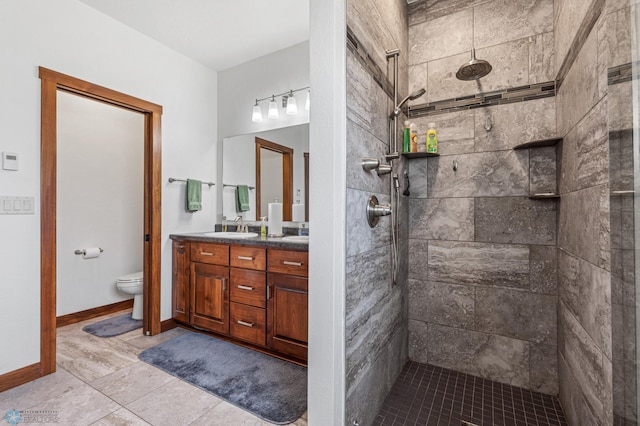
[(131, 278)]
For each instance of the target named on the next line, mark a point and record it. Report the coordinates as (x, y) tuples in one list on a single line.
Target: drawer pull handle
[(206, 253), (286, 262), (246, 324), (245, 287), (245, 258)]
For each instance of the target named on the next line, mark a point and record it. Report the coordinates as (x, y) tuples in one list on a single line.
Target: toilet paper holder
[(84, 251)]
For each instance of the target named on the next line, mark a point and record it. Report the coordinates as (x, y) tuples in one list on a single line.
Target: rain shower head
[(412, 97), (474, 69)]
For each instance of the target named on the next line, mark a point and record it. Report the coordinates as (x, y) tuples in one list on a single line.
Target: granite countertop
[(269, 242)]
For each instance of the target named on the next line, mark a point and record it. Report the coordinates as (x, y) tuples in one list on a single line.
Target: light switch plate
[(10, 161), (16, 205)]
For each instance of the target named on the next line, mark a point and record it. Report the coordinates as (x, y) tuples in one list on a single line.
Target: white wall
[(239, 153), (72, 38), (100, 200), (240, 86)]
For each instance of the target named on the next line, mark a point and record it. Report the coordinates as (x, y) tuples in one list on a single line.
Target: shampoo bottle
[(406, 137), (432, 139), (414, 137)]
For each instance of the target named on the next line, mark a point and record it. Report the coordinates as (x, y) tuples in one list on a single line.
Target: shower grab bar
[(226, 185), (84, 251), (171, 180)]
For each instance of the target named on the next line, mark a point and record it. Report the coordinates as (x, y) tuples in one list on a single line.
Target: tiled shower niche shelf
[(539, 143), (411, 155)]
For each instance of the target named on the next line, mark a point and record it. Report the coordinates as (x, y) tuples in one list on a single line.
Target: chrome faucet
[(240, 225)]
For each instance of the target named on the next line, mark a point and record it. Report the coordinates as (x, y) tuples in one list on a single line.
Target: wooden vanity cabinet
[(288, 301), (251, 294)]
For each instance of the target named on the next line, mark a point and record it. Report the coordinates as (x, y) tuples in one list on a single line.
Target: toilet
[(132, 284)]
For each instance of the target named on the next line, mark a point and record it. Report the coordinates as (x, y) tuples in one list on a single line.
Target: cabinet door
[(180, 281), (287, 314), (210, 297)]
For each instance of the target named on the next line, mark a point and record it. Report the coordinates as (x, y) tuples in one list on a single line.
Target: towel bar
[(171, 180), (235, 186)]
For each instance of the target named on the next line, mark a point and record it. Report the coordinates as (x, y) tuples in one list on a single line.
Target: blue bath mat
[(272, 389), (113, 326)]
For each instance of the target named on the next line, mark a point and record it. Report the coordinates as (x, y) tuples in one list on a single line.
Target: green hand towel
[(242, 198), (194, 195)]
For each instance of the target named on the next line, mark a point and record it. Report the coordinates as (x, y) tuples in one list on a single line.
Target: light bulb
[(256, 117), (307, 104), (273, 108), (292, 108)]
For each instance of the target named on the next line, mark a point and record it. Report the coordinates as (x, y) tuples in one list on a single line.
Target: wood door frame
[(287, 176), (51, 82)]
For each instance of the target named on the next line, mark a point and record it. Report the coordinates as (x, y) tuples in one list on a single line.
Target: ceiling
[(217, 33)]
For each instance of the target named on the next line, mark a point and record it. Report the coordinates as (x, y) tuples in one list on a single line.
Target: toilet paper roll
[(91, 253), (297, 212), (274, 220)]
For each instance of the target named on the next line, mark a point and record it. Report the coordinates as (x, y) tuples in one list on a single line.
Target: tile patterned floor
[(101, 381), (429, 395)]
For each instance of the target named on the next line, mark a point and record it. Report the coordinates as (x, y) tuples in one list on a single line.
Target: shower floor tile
[(429, 395)]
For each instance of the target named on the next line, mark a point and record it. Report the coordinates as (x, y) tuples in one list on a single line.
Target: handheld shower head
[(412, 97)]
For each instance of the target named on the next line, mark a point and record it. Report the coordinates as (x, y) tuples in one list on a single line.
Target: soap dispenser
[(263, 227)]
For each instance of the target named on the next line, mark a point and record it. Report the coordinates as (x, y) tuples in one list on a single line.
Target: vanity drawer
[(289, 262), (217, 254), (248, 287), (248, 257), (248, 323)]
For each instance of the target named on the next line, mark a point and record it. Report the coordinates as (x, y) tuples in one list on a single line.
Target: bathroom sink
[(296, 238), (240, 235)]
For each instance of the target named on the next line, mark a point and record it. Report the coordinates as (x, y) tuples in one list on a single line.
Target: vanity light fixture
[(288, 103), (292, 108), (256, 117), (273, 108)]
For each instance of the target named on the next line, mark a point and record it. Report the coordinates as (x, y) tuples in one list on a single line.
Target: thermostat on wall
[(9, 161)]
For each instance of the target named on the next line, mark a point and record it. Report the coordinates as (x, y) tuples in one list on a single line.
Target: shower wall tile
[(360, 236), (493, 357), (515, 220), (543, 170), (440, 37), (541, 58), (442, 219), (451, 305), (380, 107), (544, 367), (361, 144), (510, 62), (417, 79), (585, 291), (494, 174), (358, 91), (620, 107), (579, 90), (418, 171), (417, 12), (543, 269), (395, 23), (614, 43), (613, 5), (419, 342), (588, 237), (418, 300), (517, 314), (586, 152), (367, 281), (584, 360), (576, 408), (365, 21), (536, 120), (505, 265), (568, 16), (620, 163), (526, 18), (418, 259)]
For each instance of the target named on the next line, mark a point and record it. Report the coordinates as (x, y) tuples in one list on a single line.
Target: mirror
[(274, 164)]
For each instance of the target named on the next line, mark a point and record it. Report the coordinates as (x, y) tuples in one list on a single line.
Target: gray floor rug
[(272, 389), (113, 326)]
